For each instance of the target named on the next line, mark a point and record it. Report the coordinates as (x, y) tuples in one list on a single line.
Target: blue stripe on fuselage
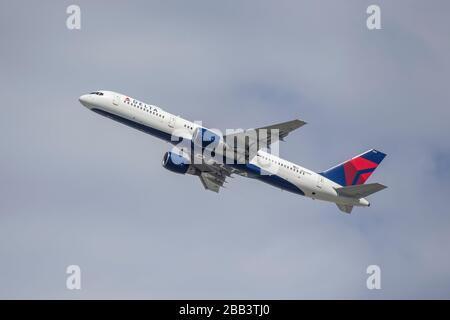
[(271, 179), (149, 130)]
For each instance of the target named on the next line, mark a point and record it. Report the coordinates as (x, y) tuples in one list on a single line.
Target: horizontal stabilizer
[(345, 208), (360, 191)]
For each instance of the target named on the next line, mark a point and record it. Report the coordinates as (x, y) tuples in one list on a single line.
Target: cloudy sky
[(77, 188)]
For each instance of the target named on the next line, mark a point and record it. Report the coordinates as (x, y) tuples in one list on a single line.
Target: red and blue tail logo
[(356, 170)]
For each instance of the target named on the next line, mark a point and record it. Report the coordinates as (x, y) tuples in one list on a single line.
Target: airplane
[(343, 184)]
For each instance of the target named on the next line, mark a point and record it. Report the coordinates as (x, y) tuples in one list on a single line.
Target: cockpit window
[(97, 93)]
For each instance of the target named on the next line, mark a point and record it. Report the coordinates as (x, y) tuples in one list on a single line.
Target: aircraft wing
[(211, 182), (263, 136), (360, 191), (213, 176), (284, 129)]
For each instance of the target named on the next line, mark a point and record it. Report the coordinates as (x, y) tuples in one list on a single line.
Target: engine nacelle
[(176, 163)]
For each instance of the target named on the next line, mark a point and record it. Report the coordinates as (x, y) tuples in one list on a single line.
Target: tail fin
[(356, 170)]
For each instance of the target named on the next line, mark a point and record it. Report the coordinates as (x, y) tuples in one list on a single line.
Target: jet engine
[(176, 163)]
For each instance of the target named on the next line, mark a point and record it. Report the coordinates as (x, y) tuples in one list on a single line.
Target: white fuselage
[(155, 121)]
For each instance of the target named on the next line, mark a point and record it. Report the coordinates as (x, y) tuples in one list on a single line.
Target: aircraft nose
[(84, 100)]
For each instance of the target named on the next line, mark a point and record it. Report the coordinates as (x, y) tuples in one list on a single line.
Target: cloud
[(79, 189)]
